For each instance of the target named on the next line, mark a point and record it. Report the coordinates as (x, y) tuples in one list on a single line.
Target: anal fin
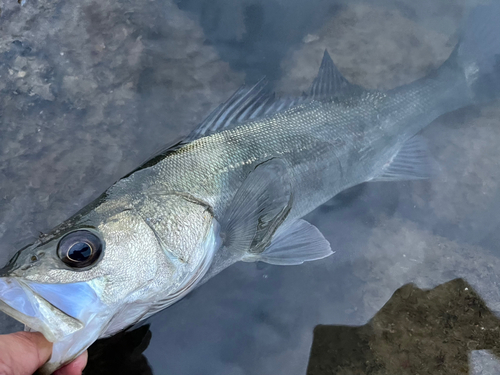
[(412, 162)]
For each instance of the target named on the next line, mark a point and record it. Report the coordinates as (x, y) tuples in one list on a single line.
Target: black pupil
[(80, 252)]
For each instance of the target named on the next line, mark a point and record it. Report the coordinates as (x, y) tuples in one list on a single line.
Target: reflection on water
[(121, 354), (89, 89), (416, 332), (445, 330)]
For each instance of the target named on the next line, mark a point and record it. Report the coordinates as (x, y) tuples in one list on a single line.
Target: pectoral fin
[(258, 208), (299, 243)]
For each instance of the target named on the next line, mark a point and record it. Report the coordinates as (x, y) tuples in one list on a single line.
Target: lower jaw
[(20, 302)]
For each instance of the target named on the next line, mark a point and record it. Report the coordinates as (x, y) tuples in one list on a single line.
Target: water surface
[(90, 89)]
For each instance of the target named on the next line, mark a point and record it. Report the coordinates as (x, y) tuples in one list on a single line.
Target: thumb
[(22, 353)]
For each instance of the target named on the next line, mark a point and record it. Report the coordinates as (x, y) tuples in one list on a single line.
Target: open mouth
[(47, 308), (72, 315)]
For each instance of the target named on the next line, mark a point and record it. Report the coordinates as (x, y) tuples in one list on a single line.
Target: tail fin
[(478, 52)]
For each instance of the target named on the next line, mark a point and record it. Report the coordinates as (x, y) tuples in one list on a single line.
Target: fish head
[(72, 283)]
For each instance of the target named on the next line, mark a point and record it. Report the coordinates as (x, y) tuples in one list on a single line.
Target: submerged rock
[(88, 91)]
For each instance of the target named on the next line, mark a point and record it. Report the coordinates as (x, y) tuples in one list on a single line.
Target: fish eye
[(79, 249)]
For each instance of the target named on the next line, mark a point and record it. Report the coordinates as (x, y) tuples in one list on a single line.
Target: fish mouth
[(24, 304), (55, 310), (72, 315)]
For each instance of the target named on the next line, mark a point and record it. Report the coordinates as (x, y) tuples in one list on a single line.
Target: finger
[(22, 353), (74, 368)]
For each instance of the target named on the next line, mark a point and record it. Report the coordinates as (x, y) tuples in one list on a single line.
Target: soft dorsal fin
[(247, 103), (257, 101), (330, 83)]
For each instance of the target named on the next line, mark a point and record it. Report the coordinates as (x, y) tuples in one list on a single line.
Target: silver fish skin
[(235, 190)]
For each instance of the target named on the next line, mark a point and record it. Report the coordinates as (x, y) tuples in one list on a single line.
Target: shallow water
[(90, 89)]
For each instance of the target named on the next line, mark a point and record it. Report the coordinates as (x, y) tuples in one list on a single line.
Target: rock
[(89, 91)]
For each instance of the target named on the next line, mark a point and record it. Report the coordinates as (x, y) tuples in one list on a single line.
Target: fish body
[(327, 146), (235, 190)]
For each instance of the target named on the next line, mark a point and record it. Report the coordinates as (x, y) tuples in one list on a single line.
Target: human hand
[(22, 353)]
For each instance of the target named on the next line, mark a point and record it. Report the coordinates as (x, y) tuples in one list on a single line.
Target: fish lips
[(55, 310)]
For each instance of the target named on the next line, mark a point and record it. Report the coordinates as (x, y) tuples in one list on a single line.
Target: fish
[(236, 189)]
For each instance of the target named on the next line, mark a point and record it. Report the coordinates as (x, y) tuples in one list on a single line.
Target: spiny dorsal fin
[(247, 103), (330, 83), (257, 101)]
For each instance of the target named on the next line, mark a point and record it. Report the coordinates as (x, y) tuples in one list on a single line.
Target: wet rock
[(416, 332), (398, 252), (367, 51), (89, 90)]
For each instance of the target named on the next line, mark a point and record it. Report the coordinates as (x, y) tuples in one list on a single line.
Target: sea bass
[(235, 190)]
